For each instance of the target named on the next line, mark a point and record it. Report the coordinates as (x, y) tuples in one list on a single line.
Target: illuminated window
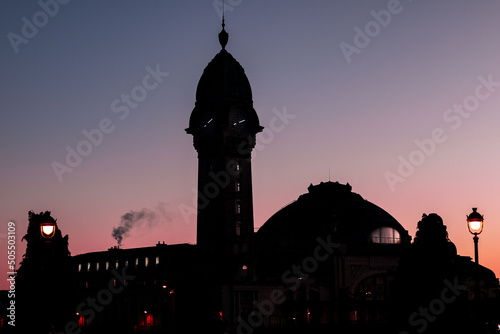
[(116, 264), (238, 207), (238, 228), (86, 284), (146, 261), (97, 266), (238, 187), (88, 266), (136, 262), (126, 263), (237, 165), (385, 235), (157, 260), (107, 265), (80, 267)]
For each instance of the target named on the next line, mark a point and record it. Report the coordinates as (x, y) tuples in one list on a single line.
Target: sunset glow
[(95, 103)]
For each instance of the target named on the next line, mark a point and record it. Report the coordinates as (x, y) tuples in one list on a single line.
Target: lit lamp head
[(475, 222), (48, 229)]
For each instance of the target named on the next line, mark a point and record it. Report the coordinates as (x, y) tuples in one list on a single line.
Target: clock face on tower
[(238, 121), (207, 124)]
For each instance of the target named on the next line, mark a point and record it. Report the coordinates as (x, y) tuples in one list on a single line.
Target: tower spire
[(223, 35)]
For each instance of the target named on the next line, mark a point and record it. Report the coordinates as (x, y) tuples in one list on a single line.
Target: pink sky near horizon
[(353, 122)]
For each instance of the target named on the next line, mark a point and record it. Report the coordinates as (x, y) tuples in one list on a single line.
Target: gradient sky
[(354, 120)]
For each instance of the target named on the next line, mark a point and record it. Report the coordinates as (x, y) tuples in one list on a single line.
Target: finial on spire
[(223, 35)]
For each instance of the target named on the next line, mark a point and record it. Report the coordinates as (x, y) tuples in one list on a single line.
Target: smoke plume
[(131, 219)]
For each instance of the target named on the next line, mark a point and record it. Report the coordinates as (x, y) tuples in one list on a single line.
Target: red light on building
[(81, 320)]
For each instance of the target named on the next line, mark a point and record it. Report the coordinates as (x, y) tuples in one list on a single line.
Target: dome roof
[(223, 93), (223, 78), (331, 208)]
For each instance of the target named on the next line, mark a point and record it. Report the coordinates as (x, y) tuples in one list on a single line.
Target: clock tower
[(224, 125)]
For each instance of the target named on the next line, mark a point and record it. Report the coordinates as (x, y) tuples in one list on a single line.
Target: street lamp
[(475, 224), (48, 229)]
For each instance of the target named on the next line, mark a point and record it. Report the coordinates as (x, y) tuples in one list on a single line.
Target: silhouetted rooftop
[(328, 208)]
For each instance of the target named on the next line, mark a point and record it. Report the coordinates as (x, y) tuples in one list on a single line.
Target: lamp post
[(172, 292), (48, 229), (475, 224)]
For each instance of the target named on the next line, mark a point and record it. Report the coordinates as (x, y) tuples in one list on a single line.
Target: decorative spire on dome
[(223, 35)]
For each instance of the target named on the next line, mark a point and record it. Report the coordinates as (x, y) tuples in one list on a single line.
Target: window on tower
[(237, 165), (238, 228), (238, 208), (238, 186)]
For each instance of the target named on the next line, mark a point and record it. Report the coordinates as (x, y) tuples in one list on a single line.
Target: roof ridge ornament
[(223, 35)]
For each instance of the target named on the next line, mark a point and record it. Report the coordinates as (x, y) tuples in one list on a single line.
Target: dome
[(223, 101), (332, 209), (223, 78)]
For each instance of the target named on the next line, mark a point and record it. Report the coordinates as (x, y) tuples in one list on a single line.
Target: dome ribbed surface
[(223, 78)]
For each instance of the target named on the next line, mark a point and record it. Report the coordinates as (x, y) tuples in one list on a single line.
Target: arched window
[(385, 235)]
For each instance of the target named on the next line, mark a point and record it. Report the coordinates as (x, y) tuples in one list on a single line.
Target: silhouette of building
[(334, 254), (140, 289), (224, 124), (327, 261)]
